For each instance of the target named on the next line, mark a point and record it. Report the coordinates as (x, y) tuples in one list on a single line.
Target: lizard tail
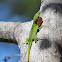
[(29, 47), (28, 59)]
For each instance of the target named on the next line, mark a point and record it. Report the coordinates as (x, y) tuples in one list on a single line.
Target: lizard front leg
[(35, 38), (40, 27)]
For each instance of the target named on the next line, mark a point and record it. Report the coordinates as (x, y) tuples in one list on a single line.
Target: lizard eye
[(36, 20), (38, 17)]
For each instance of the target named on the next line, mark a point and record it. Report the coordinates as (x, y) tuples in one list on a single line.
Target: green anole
[(37, 21)]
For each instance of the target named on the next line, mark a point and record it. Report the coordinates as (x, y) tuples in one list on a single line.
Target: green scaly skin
[(33, 31)]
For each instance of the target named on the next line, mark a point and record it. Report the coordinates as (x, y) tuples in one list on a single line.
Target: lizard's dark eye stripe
[(38, 17)]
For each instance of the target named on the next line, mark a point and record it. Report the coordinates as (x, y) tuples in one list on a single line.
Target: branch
[(49, 48)]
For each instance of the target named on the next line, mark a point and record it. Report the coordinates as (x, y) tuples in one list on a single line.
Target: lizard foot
[(27, 40)]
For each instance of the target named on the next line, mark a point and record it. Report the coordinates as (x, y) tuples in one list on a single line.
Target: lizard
[(37, 24)]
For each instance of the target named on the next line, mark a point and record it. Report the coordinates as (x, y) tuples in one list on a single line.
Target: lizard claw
[(37, 39), (27, 40)]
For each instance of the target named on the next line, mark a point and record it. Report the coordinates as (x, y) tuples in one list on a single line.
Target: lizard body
[(32, 36)]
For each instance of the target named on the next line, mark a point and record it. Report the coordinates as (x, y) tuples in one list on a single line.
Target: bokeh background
[(15, 11), (18, 10)]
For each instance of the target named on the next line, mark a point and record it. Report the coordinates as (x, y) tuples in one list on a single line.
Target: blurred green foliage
[(29, 7), (25, 7)]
